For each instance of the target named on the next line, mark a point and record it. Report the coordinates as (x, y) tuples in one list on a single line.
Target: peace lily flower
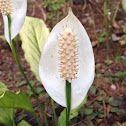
[(67, 55), (17, 9)]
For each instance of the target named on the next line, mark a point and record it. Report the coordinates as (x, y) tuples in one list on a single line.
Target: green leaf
[(120, 112), (108, 62), (34, 34), (113, 79), (21, 117), (102, 36), (23, 123), (124, 4), (115, 103), (101, 115), (7, 116), (121, 74), (82, 124), (114, 109), (122, 60), (117, 124), (39, 90), (3, 88), (62, 118), (93, 90), (74, 113), (9, 101), (92, 116), (19, 100), (88, 111), (3, 37)]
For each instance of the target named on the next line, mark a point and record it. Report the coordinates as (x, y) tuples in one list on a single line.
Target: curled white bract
[(18, 15), (49, 64)]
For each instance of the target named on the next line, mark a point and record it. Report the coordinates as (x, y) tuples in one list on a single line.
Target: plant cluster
[(63, 63)]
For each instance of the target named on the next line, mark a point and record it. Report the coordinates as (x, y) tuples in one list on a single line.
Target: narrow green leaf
[(34, 34)]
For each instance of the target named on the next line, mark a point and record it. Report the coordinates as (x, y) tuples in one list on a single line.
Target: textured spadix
[(18, 14), (49, 63), (68, 54), (6, 7)]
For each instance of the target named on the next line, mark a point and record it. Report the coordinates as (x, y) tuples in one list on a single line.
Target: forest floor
[(106, 104)]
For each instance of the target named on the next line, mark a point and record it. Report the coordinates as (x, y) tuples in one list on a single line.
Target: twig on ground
[(76, 124)]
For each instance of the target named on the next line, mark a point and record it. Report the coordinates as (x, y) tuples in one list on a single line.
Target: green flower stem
[(54, 112), (22, 72), (68, 102)]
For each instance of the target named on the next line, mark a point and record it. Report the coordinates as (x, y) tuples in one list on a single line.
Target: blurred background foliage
[(105, 22)]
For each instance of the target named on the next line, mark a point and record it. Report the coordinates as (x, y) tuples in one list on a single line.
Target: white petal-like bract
[(18, 16), (48, 66)]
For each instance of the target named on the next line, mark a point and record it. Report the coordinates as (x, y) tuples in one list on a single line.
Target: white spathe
[(18, 17), (48, 66)]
